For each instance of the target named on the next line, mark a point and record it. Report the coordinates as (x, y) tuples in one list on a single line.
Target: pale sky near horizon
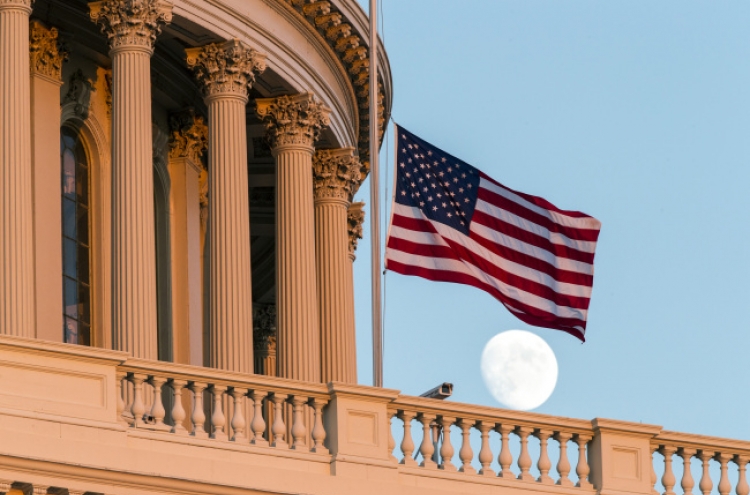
[(633, 111)]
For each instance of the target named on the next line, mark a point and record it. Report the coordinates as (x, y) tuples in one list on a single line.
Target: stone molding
[(336, 174), (133, 23), (46, 52), (294, 120), (226, 68), (355, 218), (16, 4), (188, 136), (326, 19)]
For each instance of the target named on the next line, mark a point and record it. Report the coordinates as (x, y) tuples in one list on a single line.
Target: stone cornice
[(188, 136), (46, 52), (355, 217), (292, 120), (226, 68), (134, 23), (332, 25), (336, 174)]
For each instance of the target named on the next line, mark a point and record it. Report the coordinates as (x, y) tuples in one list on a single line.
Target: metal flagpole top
[(377, 324)]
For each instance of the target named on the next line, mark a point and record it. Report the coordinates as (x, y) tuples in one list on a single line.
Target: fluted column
[(47, 58), (188, 141), (264, 340), (16, 234), (293, 124), (132, 27), (226, 72), (336, 174)]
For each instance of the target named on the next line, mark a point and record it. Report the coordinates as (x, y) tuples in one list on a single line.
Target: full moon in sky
[(519, 369)]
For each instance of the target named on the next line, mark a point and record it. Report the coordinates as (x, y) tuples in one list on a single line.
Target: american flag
[(452, 223)]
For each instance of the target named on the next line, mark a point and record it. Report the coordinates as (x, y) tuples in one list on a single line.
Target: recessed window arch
[(76, 237)]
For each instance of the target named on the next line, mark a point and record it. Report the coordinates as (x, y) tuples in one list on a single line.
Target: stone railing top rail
[(701, 442)]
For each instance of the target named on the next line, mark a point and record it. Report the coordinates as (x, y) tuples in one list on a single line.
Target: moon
[(519, 369)]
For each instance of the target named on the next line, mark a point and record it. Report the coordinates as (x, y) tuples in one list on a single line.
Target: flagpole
[(377, 324)]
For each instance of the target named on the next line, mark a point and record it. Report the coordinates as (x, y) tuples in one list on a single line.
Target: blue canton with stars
[(443, 187)]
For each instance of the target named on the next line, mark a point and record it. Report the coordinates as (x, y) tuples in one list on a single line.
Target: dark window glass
[(75, 241)]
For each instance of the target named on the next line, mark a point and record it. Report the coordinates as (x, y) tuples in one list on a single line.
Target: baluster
[(654, 449), (407, 444), (319, 431), (705, 485), (119, 377), (544, 464), (198, 417), (563, 464), (466, 454), (391, 440), (238, 416), (427, 448), (258, 425), (446, 449), (218, 419), (279, 428), (157, 408), (742, 486), (138, 408), (668, 479), (178, 412), (724, 485), (582, 469), (524, 459), (299, 431), (485, 452), (687, 482), (505, 459)]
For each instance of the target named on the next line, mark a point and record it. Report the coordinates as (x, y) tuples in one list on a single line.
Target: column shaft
[(333, 267), (298, 336), (230, 289), (16, 234), (133, 255)]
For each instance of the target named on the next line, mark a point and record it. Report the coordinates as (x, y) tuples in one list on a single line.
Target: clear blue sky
[(635, 112)]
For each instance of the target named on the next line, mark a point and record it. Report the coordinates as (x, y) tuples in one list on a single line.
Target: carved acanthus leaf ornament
[(46, 51), (336, 174), (226, 68), (293, 120), (13, 4), (189, 136), (264, 331), (131, 22), (355, 219)]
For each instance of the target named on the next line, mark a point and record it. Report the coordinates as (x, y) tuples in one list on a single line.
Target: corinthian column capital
[(189, 136), (293, 120), (355, 217), (134, 23), (45, 49), (226, 68), (336, 174)]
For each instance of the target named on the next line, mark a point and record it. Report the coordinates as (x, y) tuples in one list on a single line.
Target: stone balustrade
[(437, 419), (100, 421), (707, 460)]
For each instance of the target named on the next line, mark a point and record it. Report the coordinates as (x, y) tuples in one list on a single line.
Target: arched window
[(75, 242)]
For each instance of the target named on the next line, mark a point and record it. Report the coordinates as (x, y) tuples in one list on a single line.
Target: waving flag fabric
[(452, 223)]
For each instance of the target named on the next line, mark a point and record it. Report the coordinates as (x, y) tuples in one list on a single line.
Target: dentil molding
[(226, 68), (293, 120), (131, 22)]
